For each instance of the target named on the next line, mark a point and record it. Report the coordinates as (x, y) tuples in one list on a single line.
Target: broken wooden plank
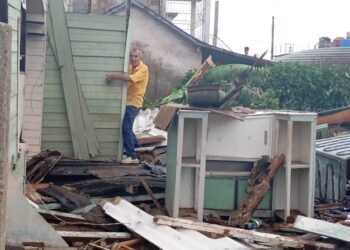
[(337, 117), (48, 248), (155, 200), (127, 244), (93, 235), (321, 207), (324, 228), (163, 236), (119, 171), (270, 239), (61, 216), (134, 198), (69, 199)]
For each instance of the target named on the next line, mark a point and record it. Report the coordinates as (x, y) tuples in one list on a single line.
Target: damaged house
[(59, 105)]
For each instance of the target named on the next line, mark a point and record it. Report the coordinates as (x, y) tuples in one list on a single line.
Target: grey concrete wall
[(5, 92), (167, 54)]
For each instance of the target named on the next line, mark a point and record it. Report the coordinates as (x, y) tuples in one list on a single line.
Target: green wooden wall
[(98, 46), (14, 8)]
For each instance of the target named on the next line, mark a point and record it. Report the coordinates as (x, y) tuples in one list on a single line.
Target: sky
[(298, 23)]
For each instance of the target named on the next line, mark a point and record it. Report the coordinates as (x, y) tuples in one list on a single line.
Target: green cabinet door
[(219, 193)]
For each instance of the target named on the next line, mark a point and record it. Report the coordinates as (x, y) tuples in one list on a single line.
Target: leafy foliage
[(292, 86), (177, 95), (299, 87)]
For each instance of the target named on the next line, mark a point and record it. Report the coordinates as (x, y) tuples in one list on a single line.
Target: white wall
[(167, 54)]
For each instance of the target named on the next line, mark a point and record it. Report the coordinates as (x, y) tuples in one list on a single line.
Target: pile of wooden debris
[(105, 205)]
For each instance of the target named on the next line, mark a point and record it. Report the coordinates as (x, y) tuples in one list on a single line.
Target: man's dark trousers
[(130, 140)]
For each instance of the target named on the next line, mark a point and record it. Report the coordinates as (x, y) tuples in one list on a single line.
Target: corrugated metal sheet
[(337, 147), (165, 237), (323, 56)]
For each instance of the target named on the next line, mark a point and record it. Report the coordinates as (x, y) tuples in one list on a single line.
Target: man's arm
[(118, 76)]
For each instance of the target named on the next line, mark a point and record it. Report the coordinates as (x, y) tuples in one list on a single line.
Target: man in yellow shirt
[(137, 78)]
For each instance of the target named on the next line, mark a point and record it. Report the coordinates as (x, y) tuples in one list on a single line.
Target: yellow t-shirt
[(137, 87)]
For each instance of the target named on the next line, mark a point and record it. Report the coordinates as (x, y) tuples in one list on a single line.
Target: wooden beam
[(93, 235), (324, 228), (83, 135), (60, 216), (155, 200), (270, 239), (5, 90), (337, 117)]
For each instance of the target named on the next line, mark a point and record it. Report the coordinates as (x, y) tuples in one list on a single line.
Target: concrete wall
[(167, 54), (14, 14)]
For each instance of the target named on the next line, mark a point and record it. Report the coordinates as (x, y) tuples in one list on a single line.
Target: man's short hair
[(136, 50)]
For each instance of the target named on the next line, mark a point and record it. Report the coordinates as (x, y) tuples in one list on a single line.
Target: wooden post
[(5, 90), (272, 37), (193, 18), (216, 23)]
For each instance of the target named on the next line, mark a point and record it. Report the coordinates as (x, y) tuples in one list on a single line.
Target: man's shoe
[(129, 160)]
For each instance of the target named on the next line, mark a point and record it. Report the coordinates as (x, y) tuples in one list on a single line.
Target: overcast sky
[(298, 23)]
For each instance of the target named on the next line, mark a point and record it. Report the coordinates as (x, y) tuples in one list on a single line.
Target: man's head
[(246, 50), (135, 57)]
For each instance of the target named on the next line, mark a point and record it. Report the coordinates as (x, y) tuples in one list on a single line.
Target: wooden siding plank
[(98, 49), (55, 124), (59, 28), (86, 35), (54, 91), (65, 148), (33, 134), (99, 22), (52, 77), (35, 28), (108, 135), (98, 106), (98, 64), (16, 4), (106, 121), (34, 17), (97, 78), (101, 92)]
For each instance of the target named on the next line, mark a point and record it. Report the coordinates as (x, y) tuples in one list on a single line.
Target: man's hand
[(109, 78), (118, 76)]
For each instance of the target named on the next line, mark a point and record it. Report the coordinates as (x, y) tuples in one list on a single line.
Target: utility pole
[(272, 37), (193, 17), (5, 90), (206, 20), (216, 23), (89, 6)]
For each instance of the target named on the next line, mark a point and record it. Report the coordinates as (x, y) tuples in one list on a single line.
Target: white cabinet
[(236, 140), (271, 133), (186, 158), (295, 182), (191, 142)]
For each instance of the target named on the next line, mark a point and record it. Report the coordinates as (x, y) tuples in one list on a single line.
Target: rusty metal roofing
[(323, 56), (337, 147)]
